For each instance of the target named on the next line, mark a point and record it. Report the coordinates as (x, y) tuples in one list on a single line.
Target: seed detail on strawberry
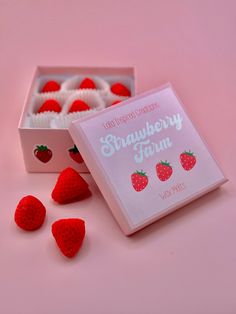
[(75, 154), (43, 153), (164, 170), (30, 213), (139, 180), (69, 235), (188, 160)]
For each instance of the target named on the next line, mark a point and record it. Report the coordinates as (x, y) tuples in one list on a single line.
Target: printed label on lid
[(151, 154)]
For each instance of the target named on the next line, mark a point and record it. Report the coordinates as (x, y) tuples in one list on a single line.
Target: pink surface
[(186, 262)]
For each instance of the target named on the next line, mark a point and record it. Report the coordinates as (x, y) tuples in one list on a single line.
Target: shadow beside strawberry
[(43, 153), (75, 154)]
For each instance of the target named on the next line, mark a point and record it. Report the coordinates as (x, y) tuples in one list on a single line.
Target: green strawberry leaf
[(42, 148), (74, 149), (165, 163), (141, 173), (189, 153)]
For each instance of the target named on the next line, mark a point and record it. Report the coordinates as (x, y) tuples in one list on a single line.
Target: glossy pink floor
[(184, 264)]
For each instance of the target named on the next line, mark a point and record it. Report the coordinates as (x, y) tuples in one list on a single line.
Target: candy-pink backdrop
[(184, 264)]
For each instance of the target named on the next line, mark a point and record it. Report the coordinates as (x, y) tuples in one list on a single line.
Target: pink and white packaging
[(146, 157)]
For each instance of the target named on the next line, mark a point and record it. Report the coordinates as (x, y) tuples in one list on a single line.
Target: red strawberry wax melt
[(30, 213), (120, 89), (69, 235), (51, 86), (50, 105), (78, 105), (70, 187), (87, 83)]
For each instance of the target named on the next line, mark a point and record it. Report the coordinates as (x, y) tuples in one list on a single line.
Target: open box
[(46, 143)]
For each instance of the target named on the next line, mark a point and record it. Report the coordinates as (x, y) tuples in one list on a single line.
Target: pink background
[(186, 262)]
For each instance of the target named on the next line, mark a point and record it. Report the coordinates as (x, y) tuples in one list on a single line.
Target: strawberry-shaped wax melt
[(78, 105), (30, 213), (69, 235), (120, 89), (50, 105), (70, 187), (51, 86), (87, 83)]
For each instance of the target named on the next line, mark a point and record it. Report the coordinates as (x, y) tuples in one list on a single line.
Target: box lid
[(146, 157)]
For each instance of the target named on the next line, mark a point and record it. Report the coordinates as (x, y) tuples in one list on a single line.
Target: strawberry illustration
[(139, 180), (43, 153), (164, 170), (75, 154), (188, 160)]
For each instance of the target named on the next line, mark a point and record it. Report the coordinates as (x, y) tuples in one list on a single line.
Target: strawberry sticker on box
[(146, 157)]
